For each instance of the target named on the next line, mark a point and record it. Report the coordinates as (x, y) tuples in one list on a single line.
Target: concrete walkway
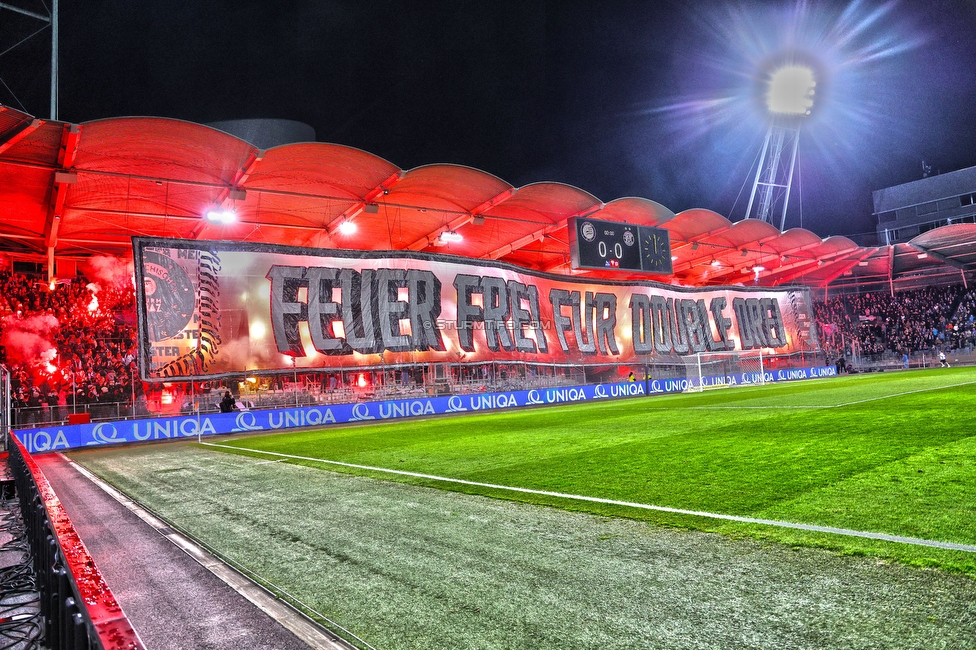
[(171, 599)]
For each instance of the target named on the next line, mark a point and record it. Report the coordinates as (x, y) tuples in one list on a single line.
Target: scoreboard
[(596, 244)]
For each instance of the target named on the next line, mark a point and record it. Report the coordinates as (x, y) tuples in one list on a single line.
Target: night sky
[(652, 99)]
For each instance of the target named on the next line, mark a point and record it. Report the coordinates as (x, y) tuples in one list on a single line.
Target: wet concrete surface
[(172, 601)]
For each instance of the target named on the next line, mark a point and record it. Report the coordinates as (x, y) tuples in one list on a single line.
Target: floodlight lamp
[(758, 268), (790, 91), (221, 216), (449, 236), (347, 228)]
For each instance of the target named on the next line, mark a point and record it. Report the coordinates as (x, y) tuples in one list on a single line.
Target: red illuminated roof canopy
[(74, 190)]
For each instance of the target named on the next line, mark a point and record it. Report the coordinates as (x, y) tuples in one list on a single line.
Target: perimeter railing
[(79, 610)]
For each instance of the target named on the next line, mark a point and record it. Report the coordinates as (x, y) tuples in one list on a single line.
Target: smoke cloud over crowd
[(29, 341)]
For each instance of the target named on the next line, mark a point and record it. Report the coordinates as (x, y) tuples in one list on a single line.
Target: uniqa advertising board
[(59, 438)]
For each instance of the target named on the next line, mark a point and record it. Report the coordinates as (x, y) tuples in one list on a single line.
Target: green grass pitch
[(889, 453)]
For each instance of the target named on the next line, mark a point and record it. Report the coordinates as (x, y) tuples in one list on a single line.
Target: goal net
[(708, 370)]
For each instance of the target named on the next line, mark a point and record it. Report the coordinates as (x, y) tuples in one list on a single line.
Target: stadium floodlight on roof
[(221, 216), (789, 93)]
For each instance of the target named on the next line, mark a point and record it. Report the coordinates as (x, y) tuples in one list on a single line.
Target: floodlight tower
[(52, 20), (789, 99)]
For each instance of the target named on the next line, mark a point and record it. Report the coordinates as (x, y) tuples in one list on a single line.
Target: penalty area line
[(952, 546), (907, 392)]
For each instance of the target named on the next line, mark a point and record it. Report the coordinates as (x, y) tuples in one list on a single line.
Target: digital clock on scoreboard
[(596, 244)]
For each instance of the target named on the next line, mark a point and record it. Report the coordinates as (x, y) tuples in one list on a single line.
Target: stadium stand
[(71, 347), (66, 346), (873, 325)]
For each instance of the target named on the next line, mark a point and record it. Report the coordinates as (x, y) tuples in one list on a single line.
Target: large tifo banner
[(217, 309), (57, 438)]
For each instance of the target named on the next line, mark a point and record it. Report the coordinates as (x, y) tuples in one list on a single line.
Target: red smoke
[(113, 281), (28, 340), (110, 272)]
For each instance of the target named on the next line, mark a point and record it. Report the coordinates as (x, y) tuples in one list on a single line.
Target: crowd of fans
[(68, 347), (71, 346), (873, 324)]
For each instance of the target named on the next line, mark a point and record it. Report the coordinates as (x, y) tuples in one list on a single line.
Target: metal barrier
[(80, 612)]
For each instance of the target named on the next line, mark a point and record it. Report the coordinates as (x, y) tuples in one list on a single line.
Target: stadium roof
[(76, 190)]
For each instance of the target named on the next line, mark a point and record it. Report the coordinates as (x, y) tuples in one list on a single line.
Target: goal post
[(710, 370)]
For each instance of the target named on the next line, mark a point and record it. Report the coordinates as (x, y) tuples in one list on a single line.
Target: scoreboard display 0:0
[(596, 244)]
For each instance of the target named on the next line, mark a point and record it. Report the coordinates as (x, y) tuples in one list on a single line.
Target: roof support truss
[(59, 191), (18, 135), (463, 220), (353, 210), (847, 265)]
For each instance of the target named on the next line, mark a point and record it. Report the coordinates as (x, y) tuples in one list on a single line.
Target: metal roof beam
[(939, 256), (70, 135), (522, 241), (431, 237), (799, 269), (242, 174), (539, 234), (463, 220), (20, 134), (846, 266), (803, 264), (353, 210)]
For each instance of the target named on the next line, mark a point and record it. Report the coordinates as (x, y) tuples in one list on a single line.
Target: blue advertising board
[(59, 438)]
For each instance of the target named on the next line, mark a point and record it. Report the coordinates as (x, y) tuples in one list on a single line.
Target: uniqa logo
[(534, 398), (360, 412), (492, 401), (625, 390), (299, 418), (404, 409), (41, 440), (105, 433), (556, 395), (454, 405), (599, 392), (246, 421)]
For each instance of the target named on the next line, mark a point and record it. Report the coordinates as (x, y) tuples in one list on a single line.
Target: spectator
[(227, 404)]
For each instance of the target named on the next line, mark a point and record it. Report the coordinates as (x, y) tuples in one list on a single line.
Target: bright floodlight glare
[(347, 228), (791, 90), (451, 236), (221, 216)]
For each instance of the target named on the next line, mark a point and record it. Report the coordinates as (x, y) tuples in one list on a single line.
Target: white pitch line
[(807, 406), (907, 392), (952, 546)]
